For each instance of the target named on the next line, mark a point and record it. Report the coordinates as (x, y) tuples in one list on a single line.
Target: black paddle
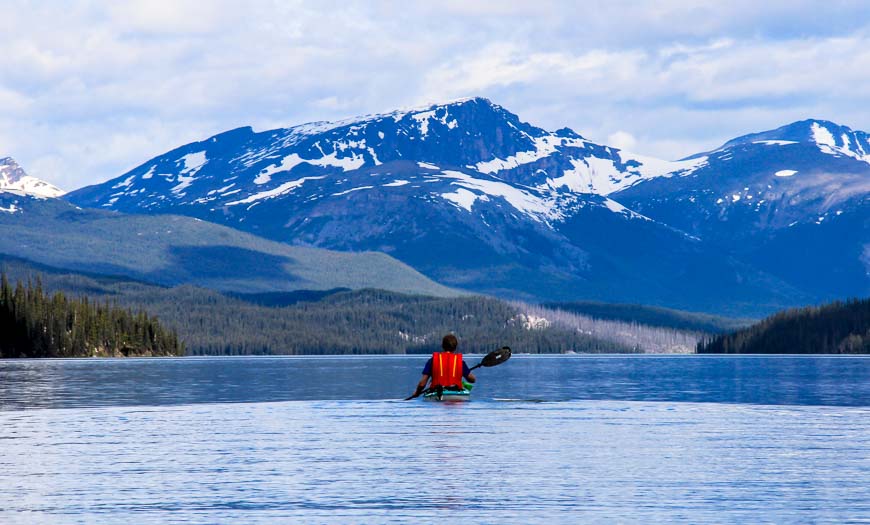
[(493, 358), (496, 357)]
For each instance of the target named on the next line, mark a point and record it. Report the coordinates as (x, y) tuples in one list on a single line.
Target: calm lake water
[(561, 439)]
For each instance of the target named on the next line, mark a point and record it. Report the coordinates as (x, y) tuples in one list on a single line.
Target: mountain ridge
[(473, 197), (14, 178)]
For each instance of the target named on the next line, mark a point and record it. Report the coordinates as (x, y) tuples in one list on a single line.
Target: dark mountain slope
[(172, 250)]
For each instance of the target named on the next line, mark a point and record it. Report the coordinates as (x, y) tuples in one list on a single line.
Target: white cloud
[(622, 140), (89, 90), (182, 17)]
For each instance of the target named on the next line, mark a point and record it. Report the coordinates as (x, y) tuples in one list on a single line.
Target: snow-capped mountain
[(479, 148), (808, 171), (13, 178), (465, 192), (469, 194), (794, 202)]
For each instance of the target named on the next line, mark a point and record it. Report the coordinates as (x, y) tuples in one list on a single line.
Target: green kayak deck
[(449, 395)]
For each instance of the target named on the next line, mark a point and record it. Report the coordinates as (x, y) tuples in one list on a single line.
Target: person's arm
[(466, 373), (421, 385)]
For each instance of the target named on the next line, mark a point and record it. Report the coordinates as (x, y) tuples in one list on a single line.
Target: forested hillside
[(365, 322), (34, 324), (344, 322), (653, 316), (173, 250), (837, 328)]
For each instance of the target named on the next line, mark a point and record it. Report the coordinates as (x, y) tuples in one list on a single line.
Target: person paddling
[(446, 369)]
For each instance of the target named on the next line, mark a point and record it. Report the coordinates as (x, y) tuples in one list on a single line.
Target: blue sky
[(88, 90)]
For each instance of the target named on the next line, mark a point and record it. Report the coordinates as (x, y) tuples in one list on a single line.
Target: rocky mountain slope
[(793, 202), (170, 250), (473, 197)]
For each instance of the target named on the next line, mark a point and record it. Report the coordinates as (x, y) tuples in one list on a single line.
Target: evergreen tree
[(32, 324), (836, 328)]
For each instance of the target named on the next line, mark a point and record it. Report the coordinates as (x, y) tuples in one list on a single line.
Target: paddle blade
[(498, 357)]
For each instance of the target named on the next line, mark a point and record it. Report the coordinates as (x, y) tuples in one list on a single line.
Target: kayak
[(449, 395)]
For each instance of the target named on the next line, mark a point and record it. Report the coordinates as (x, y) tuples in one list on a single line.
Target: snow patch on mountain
[(823, 137), (462, 198), (827, 143), (775, 142), (345, 192), (193, 162), (603, 176), (11, 209), (126, 183), (289, 162), (12, 177), (589, 174), (616, 207), (651, 167), (538, 208), (222, 190), (375, 159), (354, 162), (287, 187), (424, 117), (544, 147)]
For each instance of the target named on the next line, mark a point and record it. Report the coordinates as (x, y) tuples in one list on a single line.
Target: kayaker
[(444, 368)]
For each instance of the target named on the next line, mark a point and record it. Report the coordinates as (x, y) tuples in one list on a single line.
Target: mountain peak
[(455, 103), (801, 131), (468, 108), (14, 178), (829, 137), (10, 171)]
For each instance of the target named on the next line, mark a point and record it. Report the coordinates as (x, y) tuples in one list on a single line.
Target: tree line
[(836, 328), (356, 322), (329, 322), (36, 324)]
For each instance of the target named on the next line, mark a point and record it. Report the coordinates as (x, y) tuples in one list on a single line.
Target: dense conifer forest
[(341, 321), (354, 322), (328, 322), (837, 328), (34, 324)]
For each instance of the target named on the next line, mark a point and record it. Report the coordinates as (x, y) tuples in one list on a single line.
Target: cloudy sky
[(89, 90)]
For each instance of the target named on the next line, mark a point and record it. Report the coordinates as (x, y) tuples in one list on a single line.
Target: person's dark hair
[(449, 343)]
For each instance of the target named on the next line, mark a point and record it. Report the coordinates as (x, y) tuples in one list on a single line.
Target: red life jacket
[(446, 369)]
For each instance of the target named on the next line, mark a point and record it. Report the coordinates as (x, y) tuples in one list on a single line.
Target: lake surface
[(547, 439)]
